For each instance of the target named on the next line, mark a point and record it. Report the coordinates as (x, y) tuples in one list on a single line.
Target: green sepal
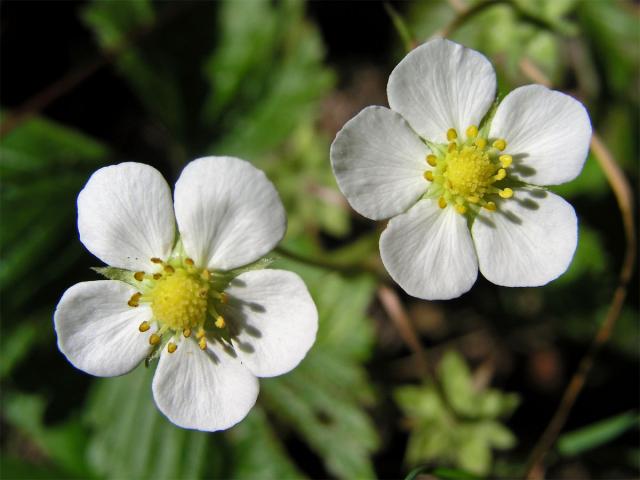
[(113, 273), (485, 123), (153, 354), (438, 149)]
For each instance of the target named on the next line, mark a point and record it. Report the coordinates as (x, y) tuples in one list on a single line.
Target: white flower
[(461, 190), (214, 333)]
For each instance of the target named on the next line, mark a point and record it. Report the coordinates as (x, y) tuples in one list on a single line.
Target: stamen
[(202, 343), (139, 276), (472, 131), (172, 347), (189, 262), (220, 323), (432, 160), (154, 339), (473, 199), (500, 144), (202, 293), (490, 206), (500, 174), (186, 332), (135, 298), (156, 260), (201, 333), (452, 134), (506, 193), (144, 326), (157, 276), (224, 298), (205, 275), (428, 175), (461, 209), (481, 143), (505, 160), (452, 147), (442, 203), (169, 269)]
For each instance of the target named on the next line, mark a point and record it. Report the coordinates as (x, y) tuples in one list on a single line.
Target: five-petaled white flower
[(213, 331), (460, 180)]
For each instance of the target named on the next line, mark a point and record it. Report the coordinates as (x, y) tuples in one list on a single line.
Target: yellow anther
[(481, 143), (139, 276), (169, 269), (506, 193), (135, 298), (154, 339), (144, 326), (452, 147), (202, 343), (461, 209), (186, 332), (490, 206), (472, 131), (432, 160), (442, 202), (220, 323), (201, 333), (505, 160), (428, 175), (500, 174), (157, 276), (500, 144), (172, 347), (452, 134), (156, 260), (205, 275), (473, 199), (188, 261)]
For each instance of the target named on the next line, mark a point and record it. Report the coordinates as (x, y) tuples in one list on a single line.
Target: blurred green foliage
[(461, 429), (251, 84)]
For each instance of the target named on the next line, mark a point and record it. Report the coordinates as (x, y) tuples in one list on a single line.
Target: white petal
[(276, 318), (547, 133), (229, 214), (98, 332), (379, 163), (204, 390), (529, 241), (441, 85), (428, 251), (125, 216)]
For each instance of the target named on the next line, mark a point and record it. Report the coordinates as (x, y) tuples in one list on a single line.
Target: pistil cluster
[(466, 173), (184, 301)]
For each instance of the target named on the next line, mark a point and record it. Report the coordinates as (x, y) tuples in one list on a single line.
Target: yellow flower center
[(179, 300), (466, 174), (183, 300)]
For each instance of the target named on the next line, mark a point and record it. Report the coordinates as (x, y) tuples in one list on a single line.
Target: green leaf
[(324, 398), (457, 383), (597, 434), (114, 23), (15, 344), (132, 439), (44, 165), (441, 473), (462, 433), (64, 443), (269, 62), (257, 452)]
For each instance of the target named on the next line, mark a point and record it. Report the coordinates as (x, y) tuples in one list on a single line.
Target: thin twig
[(398, 315)]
